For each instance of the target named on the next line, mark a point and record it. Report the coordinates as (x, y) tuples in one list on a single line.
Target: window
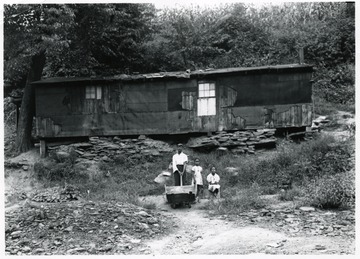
[(93, 92), (207, 99)]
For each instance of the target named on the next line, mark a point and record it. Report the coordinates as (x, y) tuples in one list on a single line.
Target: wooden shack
[(175, 102)]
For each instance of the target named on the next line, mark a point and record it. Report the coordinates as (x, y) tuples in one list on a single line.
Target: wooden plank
[(309, 116), (42, 148), (293, 115), (283, 119), (288, 117), (299, 115), (304, 119)]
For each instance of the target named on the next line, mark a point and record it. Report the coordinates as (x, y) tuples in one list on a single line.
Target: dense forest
[(48, 40), (109, 39)]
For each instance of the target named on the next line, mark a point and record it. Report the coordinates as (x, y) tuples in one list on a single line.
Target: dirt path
[(198, 233)]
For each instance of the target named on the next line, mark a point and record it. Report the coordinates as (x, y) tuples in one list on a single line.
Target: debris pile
[(108, 148), (57, 194), (81, 227), (237, 142)]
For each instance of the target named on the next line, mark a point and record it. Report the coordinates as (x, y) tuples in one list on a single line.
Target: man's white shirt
[(178, 159)]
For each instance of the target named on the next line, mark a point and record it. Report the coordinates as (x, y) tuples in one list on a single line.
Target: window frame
[(93, 92), (206, 98)]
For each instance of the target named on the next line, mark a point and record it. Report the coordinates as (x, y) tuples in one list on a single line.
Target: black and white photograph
[(189, 128)]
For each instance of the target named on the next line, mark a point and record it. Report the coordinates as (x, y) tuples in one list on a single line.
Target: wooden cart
[(180, 195)]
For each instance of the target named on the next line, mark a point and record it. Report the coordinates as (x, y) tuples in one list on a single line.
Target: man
[(179, 161), (213, 180)]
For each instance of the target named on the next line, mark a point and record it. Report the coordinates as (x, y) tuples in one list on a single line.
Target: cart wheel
[(173, 205)]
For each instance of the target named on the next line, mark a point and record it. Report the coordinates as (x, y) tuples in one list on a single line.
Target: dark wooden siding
[(270, 100), (274, 89), (170, 106)]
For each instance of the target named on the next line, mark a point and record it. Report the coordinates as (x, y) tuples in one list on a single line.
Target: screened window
[(207, 100), (93, 92)]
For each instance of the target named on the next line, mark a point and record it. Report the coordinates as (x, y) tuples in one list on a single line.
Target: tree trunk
[(27, 109)]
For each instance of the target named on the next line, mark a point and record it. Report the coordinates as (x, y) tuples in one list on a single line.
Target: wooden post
[(42, 148), (301, 55)]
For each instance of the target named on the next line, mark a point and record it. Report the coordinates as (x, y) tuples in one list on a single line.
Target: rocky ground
[(279, 229), (59, 221), (80, 227)]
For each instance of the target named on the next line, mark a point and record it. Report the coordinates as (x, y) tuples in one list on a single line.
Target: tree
[(30, 33), (106, 40), (70, 40), (182, 39)]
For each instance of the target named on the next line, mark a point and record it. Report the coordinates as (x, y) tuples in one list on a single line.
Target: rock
[(25, 167), (231, 169), (162, 179), (135, 241), (320, 247), (76, 250), (275, 245), (144, 225), (330, 229), (69, 229), (307, 209), (143, 213), (294, 230), (26, 249), (62, 155), (57, 243), (16, 234), (105, 248), (105, 159), (38, 251)]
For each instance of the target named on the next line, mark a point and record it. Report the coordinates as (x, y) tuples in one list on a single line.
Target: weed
[(237, 201), (147, 205), (332, 191), (323, 107), (291, 194)]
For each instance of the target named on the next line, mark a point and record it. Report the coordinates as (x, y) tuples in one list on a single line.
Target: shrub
[(336, 85), (54, 171), (237, 201), (120, 160), (291, 194), (332, 191)]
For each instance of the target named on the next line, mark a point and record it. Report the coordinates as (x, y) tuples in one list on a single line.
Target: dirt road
[(198, 233)]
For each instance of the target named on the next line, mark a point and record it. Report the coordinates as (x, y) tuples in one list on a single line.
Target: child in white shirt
[(213, 180), (197, 178)]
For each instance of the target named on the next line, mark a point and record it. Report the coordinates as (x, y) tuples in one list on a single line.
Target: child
[(197, 178), (213, 180)]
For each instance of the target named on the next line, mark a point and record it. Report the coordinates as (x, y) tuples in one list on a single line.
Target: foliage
[(290, 163), (332, 191), (55, 172), (336, 85), (59, 169), (237, 201), (291, 194), (112, 45), (29, 30), (108, 39)]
